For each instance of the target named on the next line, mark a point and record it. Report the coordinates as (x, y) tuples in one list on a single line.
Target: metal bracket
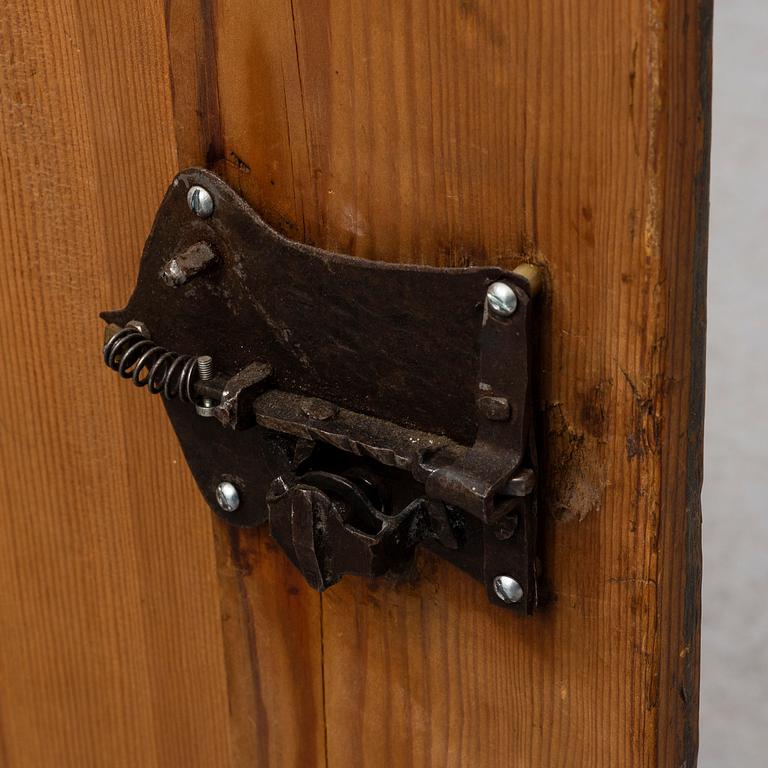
[(363, 408)]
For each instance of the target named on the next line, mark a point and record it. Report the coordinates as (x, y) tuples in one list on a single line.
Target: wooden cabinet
[(134, 629)]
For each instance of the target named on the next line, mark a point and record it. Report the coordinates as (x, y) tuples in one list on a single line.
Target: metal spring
[(136, 357)]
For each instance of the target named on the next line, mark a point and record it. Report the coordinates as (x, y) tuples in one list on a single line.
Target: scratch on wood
[(645, 430), (576, 475)]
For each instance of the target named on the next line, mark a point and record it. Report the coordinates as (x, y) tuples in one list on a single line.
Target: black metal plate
[(398, 342), (404, 354)]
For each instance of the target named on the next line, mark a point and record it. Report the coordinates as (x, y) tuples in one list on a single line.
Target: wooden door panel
[(136, 630), (111, 648), (572, 135)]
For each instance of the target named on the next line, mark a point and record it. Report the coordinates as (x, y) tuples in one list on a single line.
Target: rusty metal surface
[(327, 366), (196, 259)]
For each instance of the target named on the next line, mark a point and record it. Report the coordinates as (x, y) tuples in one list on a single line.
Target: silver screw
[(507, 589), (205, 372), (227, 496), (200, 201), (502, 299)]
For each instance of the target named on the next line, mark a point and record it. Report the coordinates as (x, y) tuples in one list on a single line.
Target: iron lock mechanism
[(364, 409)]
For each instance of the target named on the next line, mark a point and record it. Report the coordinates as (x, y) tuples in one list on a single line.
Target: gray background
[(734, 675)]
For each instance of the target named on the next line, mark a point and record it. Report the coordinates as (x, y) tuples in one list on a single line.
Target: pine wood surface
[(452, 133), (134, 629), (111, 650)]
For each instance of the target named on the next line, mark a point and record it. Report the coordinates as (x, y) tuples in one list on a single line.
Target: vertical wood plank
[(470, 132), (111, 648), (271, 619)]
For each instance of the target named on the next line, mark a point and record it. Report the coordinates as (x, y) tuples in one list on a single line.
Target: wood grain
[(111, 648), (272, 626), (473, 132), (133, 631)]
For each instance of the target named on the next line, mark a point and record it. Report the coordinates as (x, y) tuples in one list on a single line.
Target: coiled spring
[(135, 356)]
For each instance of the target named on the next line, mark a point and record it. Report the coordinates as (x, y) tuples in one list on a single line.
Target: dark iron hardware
[(363, 408)]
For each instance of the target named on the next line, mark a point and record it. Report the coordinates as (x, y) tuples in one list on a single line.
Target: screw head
[(227, 496), (200, 201), (502, 299), (507, 589)]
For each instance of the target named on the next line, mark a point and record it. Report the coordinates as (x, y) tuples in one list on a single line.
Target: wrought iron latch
[(364, 409)]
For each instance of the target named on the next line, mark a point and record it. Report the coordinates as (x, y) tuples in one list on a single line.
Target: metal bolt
[(205, 372), (502, 299), (200, 201), (227, 496), (205, 367), (186, 265), (507, 589), (172, 273)]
